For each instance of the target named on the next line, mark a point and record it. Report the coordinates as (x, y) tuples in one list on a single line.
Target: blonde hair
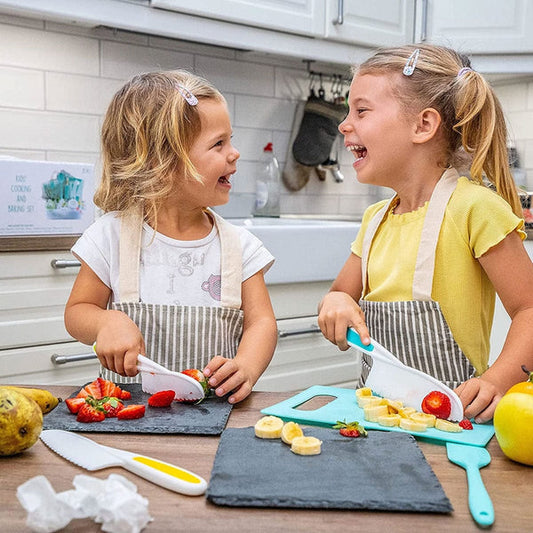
[(147, 133), (472, 117)]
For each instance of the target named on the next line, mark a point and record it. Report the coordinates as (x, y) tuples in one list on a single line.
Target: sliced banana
[(394, 406), (364, 401), (406, 412), (306, 445), (290, 431), (446, 425), (268, 427), (411, 425), (424, 418), (363, 391), (390, 420), (373, 412)]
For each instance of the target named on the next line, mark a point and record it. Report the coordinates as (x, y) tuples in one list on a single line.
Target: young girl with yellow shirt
[(426, 265)]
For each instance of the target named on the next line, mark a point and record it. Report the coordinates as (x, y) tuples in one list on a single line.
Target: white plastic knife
[(390, 378), (93, 456)]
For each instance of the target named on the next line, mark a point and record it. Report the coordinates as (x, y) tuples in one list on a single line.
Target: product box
[(45, 197)]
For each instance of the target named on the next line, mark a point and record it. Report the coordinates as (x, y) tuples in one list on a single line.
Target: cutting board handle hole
[(316, 402)]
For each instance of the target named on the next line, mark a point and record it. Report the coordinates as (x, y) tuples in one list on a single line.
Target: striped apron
[(416, 331), (178, 336)]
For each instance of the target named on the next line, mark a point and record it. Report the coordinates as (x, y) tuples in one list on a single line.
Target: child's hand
[(338, 311), (226, 375), (118, 343), (479, 397)]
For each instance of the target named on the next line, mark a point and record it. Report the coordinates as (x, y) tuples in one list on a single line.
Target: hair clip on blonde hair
[(410, 64), (464, 70), (187, 95)]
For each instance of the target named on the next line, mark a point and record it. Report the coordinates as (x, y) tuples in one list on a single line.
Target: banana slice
[(373, 412), (364, 401), (268, 427), (390, 420), (290, 431), (446, 425), (363, 391), (306, 445), (424, 418), (406, 412), (394, 406), (411, 425)]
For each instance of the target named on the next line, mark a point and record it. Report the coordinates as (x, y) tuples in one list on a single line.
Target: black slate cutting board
[(385, 472), (206, 418)]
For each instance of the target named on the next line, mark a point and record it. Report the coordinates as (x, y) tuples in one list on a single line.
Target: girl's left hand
[(225, 375), (479, 397)]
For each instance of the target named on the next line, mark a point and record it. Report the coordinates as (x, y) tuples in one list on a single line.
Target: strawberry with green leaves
[(350, 429), (437, 403), (111, 406), (198, 375), (89, 413)]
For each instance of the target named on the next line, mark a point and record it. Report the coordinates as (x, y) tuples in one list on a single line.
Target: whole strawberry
[(162, 398), (437, 403), (350, 429)]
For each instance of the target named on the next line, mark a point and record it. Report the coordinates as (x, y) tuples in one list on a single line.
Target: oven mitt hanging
[(318, 131)]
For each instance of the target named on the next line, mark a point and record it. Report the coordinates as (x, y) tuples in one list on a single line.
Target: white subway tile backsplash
[(269, 113), (79, 94), (37, 49), (236, 76), (512, 97), (38, 130), (191, 48), (291, 83), (250, 142), (21, 88), (122, 61)]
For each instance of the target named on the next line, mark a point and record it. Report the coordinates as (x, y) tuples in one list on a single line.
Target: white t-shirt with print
[(171, 271)]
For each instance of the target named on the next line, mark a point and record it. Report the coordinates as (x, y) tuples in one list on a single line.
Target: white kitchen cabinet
[(477, 26), (304, 17), (376, 23)]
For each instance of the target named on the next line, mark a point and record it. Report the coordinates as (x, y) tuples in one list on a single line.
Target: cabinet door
[(295, 16), (376, 23), (483, 26)]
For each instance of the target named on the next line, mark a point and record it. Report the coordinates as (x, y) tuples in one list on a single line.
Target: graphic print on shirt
[(213, 286)]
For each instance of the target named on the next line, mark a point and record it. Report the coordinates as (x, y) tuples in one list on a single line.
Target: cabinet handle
[(63, 359), (424, 30), (340, 13), (305, 331), (65, 263)]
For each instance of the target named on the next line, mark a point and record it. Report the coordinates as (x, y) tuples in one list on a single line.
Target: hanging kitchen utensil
[(390, 378), (472, 458), (155, 378), (93, 456)]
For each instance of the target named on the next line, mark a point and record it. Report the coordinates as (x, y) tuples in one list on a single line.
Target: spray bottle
[(268, 185)]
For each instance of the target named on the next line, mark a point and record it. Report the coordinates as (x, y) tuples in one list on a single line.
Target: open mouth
[(358, 150), (223, 179)]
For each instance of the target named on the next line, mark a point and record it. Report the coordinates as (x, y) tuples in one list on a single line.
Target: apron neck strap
[(425, 261), (130, 255)]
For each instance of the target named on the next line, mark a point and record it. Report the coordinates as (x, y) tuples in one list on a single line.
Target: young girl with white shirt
[(161, 273)]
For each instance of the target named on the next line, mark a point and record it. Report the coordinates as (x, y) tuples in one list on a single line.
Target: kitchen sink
[(306, 249)]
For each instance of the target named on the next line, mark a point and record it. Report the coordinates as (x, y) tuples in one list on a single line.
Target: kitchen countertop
[(509, 484)]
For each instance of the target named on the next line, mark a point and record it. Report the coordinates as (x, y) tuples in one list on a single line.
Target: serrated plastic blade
[(79, 450)]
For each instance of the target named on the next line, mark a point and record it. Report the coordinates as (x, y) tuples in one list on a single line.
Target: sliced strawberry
[(108, 388), (124, 394), (350, 429), (74, 404), (89, 413), (111, 407), (466, 424), (198, 376), (437, 403), (92, 389), (131, 411), (162, 398)]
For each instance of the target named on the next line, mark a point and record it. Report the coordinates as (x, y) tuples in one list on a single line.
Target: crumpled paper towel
[(113, 502)]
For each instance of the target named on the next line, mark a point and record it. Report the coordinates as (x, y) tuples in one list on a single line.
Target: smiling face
[(213, 156), (377, 130)]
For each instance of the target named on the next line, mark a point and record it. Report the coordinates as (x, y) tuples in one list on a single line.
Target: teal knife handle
[(479, 500), (353, 338)]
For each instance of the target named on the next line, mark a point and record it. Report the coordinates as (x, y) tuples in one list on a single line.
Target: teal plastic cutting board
[(344, 407)]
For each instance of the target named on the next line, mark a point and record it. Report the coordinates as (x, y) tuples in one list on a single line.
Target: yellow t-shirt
[(475, 220)]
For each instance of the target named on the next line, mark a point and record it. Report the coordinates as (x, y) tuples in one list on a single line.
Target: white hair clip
[(189, 97), (464, 70), (410, 64)]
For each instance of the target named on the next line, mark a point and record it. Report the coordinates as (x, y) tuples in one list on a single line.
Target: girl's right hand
[(338, 312), (118, 343)]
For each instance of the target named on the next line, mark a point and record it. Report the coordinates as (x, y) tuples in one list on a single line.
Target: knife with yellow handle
[(93, 456)]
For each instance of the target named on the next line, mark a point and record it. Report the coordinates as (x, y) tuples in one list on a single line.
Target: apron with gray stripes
[(176, 336), (416, 331)]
